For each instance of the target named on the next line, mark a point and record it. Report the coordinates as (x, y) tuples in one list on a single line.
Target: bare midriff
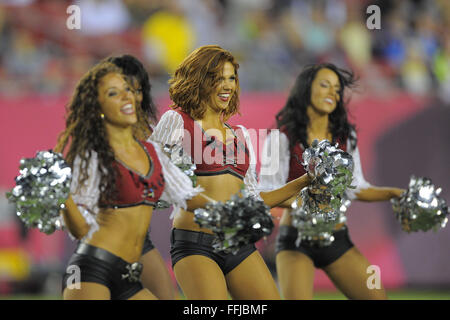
[(122, 231), (218, 187)]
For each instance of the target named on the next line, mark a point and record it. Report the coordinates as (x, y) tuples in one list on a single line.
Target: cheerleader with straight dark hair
[(316, 109)]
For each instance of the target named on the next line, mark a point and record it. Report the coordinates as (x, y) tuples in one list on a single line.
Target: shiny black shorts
[(148, 244), (321, 256), (185, 243), (93, 264)]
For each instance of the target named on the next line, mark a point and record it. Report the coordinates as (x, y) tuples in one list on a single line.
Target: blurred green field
[(321, 295), (392, 295)]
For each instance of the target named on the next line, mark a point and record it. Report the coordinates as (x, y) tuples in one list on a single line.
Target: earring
[(102, 115)]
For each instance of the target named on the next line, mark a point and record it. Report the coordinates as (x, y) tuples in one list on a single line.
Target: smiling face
[(325, 91), (117, 100), (225, 89)]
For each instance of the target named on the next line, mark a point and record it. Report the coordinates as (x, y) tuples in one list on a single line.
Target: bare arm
[(288, 203), (286, 193), (199, 201), (373, 193), (74, 220), (76, 223)]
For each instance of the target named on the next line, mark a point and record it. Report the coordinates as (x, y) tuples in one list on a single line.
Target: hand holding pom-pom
[(42, 188), (237, 222), (421, 207), (324, 202), (182, 161)]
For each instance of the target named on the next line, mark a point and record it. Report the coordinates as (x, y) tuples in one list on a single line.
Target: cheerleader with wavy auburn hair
[(196, 78), (205, 91)]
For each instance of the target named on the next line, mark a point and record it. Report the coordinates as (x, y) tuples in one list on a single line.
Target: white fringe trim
[(91, 221)]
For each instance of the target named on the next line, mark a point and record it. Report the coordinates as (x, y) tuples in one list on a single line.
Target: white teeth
[(127, 107), (224, 95), (329, 100)]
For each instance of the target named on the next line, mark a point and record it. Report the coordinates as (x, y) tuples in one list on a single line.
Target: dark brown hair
[(294, 118), (147, 111), (86, 130), (196, 77)]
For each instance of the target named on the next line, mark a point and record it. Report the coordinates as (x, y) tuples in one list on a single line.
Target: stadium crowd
[(273, 39)]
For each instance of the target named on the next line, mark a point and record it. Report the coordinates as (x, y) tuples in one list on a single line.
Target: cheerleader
[(117, 178), (315, 109), (155, 275), (205, 92)]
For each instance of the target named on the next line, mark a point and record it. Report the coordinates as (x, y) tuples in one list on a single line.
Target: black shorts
[(100, 266), (186, 243), (321, 256), (148, 244)]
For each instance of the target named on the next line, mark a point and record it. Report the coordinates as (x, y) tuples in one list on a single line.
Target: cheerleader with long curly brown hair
[(155, 275), (205, 92), (117, 178)]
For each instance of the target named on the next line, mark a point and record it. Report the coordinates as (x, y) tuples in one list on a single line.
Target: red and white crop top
[(281, 163), (210, 155), (164, 181), (134, 188)]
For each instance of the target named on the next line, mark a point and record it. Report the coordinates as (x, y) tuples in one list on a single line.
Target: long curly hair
[(133, 68), (86, 131), (196, 77), (293, 117)]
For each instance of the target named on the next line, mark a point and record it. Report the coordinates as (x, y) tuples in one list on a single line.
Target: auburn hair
[(196, 77)]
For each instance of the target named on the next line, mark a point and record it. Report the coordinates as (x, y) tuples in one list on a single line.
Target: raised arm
[(286, 194), (373, 193), (364, 190), (199, 201), (272, 187), (275, 169)]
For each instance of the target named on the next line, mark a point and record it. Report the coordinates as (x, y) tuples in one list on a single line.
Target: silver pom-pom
[(42, 188), (237, 222), (421, 207), (331, 169), (324, 201), (182, 161), (162, 204)]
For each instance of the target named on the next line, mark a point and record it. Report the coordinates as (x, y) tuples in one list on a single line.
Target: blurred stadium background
[(401, 107)]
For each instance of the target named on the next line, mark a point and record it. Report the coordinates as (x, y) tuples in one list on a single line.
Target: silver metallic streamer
[(162, 204), (324, 201), (42, 188), (182, 161), (421, 207), (237, 222)]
